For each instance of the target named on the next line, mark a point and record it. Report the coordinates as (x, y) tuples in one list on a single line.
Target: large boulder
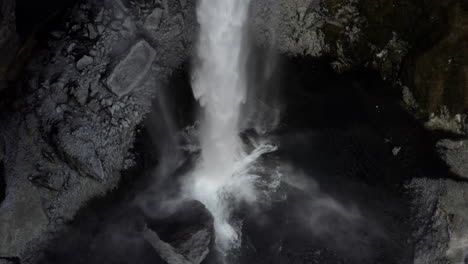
[(132, 70), (186, 236), (413, 44)]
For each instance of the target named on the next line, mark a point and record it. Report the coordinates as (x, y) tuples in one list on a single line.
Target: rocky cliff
[(90, 84)]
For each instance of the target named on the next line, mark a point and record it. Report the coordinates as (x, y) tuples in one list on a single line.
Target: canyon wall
[(90, 84)]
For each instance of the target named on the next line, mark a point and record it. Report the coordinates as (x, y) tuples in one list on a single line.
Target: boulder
[(165, 250), (84, 62), (185, 236), (72, 136), (132, 69)]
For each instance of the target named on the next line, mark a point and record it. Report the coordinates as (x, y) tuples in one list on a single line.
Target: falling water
[(222, 177)]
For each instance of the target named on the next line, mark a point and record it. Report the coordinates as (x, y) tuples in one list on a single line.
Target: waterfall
[(222, 178)]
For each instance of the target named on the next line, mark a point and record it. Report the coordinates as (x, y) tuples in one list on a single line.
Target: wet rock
[(132, 70), (165, 250), (187, 234), (197, 246)]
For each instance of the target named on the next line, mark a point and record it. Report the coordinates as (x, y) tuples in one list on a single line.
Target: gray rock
[(132, 70), (197, 246), (190, 243), (154, 19), (9, 42), (92, 34), (84, 62), (455, 154), (165, 250)]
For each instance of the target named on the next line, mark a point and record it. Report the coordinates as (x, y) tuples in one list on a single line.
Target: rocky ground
[(70, 112)]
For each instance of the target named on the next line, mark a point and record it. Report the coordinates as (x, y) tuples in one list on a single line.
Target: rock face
[(420, 48), (72, 136), (8, 38), (419, 45), (132, 70), (153, 20), (187, 234), (92, 84)]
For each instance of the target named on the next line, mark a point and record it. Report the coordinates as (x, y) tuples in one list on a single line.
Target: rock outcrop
[(193, 239), (8, 38), (72, 136), (92, 84), (419, 45)]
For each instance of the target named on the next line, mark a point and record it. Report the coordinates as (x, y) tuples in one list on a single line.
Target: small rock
[(98, 18), (84, 62), (116, 25), (71, 47), (396, 150), (193, 239), (153, 20), (165, 250), (119, 9), (75, 28), (57, 34)]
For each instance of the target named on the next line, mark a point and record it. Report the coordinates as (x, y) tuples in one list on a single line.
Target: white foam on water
[(222, 178)]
